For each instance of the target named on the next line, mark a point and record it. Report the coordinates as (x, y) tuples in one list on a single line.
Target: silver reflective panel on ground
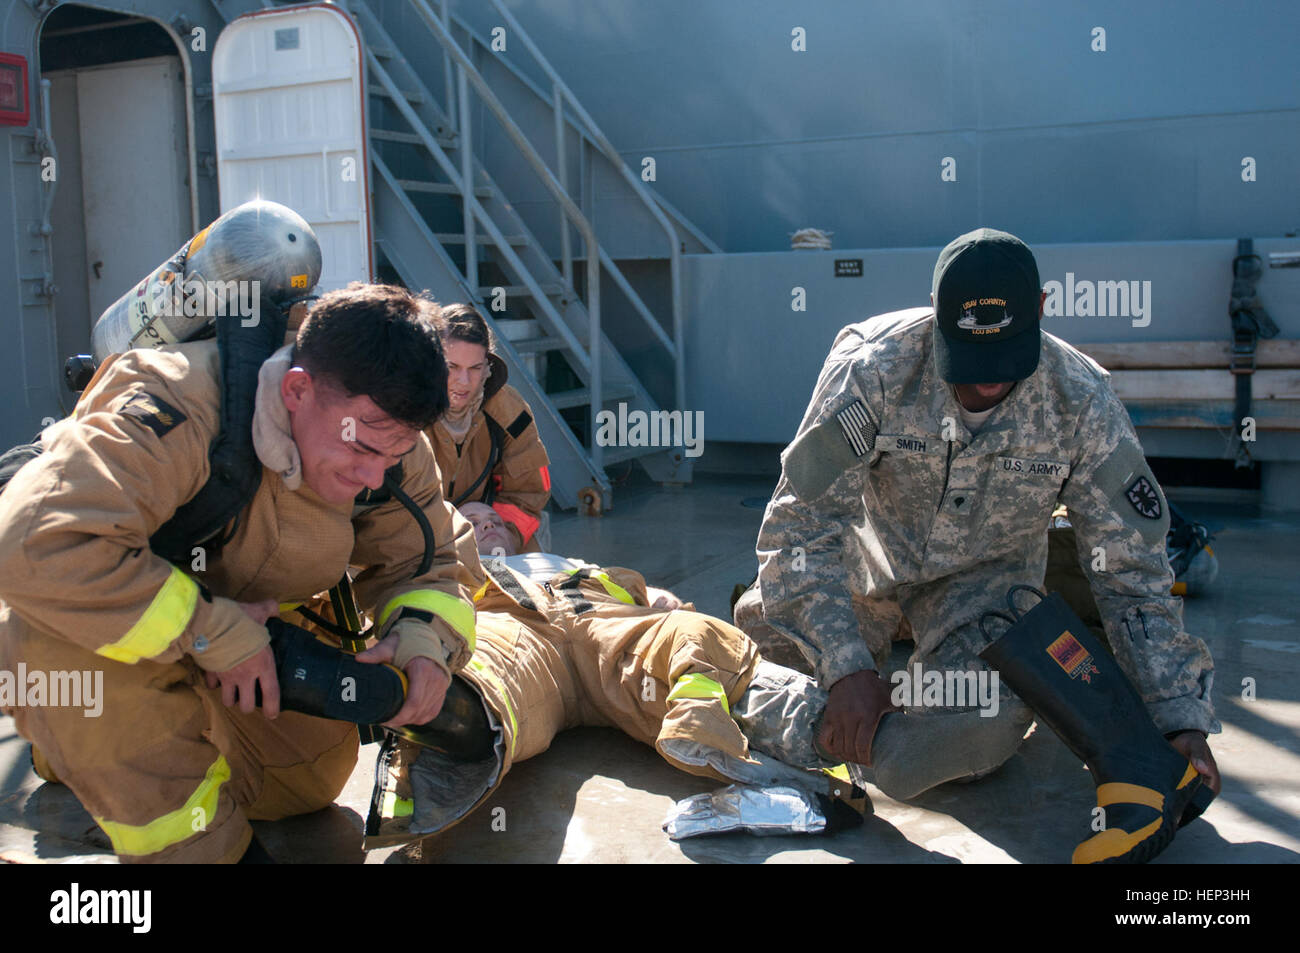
[(738, 807)]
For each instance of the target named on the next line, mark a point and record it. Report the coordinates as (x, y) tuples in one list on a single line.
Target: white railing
[(561, 94), (466, 75)]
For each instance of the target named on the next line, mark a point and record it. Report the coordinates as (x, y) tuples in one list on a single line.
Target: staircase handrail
[(607, 149)]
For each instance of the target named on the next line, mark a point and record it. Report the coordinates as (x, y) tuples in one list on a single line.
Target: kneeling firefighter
[(196, 490), (487, 444)]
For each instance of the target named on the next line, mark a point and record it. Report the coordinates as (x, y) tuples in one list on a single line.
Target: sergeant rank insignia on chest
[(857, 427), (1144, 498)]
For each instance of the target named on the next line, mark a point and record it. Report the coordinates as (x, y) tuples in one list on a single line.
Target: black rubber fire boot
[(1145, 788), (318, 678)]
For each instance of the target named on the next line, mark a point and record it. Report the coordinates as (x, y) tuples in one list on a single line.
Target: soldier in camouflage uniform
[(912, 494)]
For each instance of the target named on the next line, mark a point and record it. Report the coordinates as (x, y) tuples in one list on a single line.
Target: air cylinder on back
[(259, 248)]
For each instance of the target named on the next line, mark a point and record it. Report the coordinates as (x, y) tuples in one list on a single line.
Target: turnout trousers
[(169, 772)]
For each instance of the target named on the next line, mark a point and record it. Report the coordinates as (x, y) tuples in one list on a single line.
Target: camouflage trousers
[(931, 741)]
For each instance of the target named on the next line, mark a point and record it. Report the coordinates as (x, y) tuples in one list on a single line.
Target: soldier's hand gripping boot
[(1145, 788), (318, 678)]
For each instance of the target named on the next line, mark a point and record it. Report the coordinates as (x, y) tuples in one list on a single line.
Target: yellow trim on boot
[(1112, 842), (1116, 792), (1115, 842), (395, 806)]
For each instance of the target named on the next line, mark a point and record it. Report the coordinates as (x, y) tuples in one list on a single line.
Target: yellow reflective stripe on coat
[(173, 827), (611, 587), (699, 686), (456, 612), (161, 624), (488, 676)]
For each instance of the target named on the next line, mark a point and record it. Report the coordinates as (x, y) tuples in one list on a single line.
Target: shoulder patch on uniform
[(154, 412), (1144, 498), (1132, 492), (520, 425), (820, 454), (857, 427)]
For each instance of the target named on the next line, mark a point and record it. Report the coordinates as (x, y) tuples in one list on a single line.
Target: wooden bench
[(1187, 384)]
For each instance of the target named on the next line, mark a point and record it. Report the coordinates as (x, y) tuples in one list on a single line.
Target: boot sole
[(1196, 806), (1159, 834)]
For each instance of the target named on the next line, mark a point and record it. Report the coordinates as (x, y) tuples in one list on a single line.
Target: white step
[(410, 95), (581, 397), (440, 188), (521, 291), (394, 135), (612, 455), (457, 238), (538, 345)]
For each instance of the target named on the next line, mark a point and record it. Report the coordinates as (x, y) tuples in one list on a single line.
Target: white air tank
[(258, 248)]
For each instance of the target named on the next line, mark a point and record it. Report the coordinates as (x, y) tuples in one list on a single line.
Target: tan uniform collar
[(497, 378), (459, 425), (272, 433)]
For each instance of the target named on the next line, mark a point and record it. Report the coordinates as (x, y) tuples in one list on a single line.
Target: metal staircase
[(442, 223)]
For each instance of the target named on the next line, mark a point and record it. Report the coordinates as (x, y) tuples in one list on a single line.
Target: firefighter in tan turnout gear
[(915, 491), (179, 761), (487, 443)]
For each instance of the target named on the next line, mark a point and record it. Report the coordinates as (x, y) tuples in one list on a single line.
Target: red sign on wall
[(14, 108)]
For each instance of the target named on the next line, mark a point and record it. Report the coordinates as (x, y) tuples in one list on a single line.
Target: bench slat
[(1185, 355), (1203, 385), (1212, 414)]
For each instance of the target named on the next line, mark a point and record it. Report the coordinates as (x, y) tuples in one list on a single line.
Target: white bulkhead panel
[(290, 118)]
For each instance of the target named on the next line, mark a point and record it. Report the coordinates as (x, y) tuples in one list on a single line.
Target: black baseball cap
[(986, 297)]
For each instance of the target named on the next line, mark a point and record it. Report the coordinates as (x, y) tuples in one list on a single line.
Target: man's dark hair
[(460, 322), (378, 341)]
